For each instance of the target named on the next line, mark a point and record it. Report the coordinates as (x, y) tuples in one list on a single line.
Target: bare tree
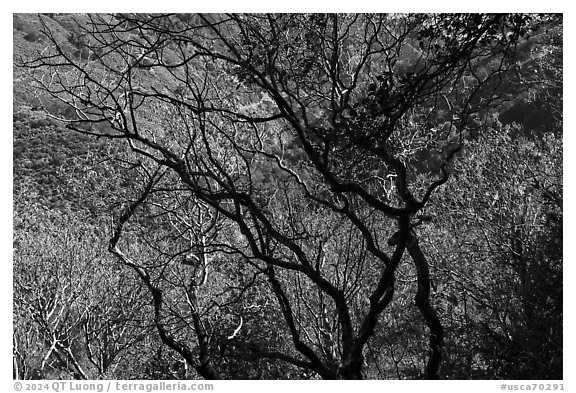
[(76, 314), (302, 136)]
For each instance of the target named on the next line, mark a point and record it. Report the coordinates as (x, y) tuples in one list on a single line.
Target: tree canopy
[(317, 195)]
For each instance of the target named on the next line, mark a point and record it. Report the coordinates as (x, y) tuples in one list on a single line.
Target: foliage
[(76, 314), (497, 240), (279, 186)]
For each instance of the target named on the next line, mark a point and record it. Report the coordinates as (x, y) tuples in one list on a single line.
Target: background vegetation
[(287, 196)]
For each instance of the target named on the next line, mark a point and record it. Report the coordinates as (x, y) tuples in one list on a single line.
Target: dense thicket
[(288, 196)]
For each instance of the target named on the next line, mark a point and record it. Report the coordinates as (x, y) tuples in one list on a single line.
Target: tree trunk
[(422, 300)]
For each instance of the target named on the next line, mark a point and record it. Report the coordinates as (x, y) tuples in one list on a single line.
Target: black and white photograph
[(287, 196)]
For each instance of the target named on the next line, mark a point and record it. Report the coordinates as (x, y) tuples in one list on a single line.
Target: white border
[(294, 6)]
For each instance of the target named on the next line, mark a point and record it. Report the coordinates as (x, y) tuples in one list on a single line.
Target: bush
[(32, 36), (39, 123)]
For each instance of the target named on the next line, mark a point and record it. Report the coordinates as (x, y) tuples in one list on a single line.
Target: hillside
[(44, 151)]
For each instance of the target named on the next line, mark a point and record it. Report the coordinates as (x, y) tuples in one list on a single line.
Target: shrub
[(39, 123), (32, 36)]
